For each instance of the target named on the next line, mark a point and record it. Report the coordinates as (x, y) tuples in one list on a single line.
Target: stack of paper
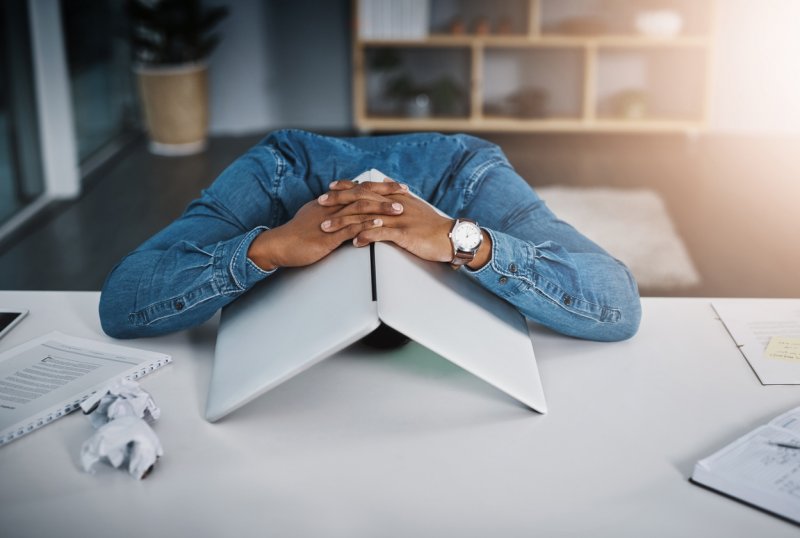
[(767, 331)]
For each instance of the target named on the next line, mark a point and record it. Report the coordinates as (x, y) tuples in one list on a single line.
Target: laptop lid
[(298, 317), (289, 322), (458, 319)]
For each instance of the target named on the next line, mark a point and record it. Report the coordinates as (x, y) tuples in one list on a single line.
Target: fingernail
[(323, 198), (397, 206), (355, 241), (404, 186), (326, 225), (378, 222), (333, 184), (386, 179)]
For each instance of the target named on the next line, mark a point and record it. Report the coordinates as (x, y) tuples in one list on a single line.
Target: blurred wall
[(281, 63), (242, 76), (757, 69), (286, 63)]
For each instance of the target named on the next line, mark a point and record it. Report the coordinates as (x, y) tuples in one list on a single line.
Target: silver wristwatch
[(466, 237)]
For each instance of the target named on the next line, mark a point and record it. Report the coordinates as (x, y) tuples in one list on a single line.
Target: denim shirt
[(543, 266)]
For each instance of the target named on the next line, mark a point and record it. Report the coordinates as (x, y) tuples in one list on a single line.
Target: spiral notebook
[(761, 469), (48, 377)]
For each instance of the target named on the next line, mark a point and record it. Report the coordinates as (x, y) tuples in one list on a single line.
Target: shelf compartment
[(587, 18), (479, 17), (533, 83), (636, 85), (417, 82)]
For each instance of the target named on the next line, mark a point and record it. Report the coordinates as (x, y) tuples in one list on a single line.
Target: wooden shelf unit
[(592, 49)]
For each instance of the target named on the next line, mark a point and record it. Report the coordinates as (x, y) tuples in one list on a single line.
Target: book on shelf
[(393, 19)]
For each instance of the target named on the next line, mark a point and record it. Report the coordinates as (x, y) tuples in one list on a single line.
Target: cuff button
[(502, 280), (178, 305), (567, 300), (512, 268)]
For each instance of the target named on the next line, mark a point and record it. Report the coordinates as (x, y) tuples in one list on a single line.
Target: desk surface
[(406, 444)]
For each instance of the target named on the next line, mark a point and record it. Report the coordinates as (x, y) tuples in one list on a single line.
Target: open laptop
[(298, 317)]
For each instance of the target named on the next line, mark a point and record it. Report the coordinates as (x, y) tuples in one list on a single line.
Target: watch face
[(467, 236)]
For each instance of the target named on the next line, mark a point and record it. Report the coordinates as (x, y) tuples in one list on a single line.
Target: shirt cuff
[(510, 271), (232, 265)]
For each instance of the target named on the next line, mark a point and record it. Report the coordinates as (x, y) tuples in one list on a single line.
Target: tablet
[(9, 318)]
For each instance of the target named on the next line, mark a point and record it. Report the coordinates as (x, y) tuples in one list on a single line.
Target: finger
[(388, 186), (342, 185), (383, 233), (349, 232), (348, 196), (364, 191), (370, 207), (334, 224)]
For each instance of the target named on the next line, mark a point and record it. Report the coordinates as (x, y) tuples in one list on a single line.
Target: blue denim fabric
[(540, 264)]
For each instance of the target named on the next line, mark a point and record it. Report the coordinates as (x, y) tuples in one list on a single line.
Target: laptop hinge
[(372, 272)]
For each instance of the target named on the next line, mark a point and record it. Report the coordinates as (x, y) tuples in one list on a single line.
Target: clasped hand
[(362, 213)]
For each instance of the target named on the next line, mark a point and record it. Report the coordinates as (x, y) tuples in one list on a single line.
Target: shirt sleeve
[(544, 284), (546, 268), (198, 264), (210, 278)]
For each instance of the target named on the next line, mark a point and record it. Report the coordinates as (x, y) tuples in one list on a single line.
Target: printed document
[(48, 377), (767, 332)]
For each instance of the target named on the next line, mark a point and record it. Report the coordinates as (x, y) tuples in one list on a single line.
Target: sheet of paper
[(754, 324), (49, 376), (789, 421)]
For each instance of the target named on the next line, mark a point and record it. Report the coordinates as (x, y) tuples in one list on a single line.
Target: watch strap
[(461, 258)]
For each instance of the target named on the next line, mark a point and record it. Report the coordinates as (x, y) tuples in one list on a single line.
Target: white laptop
[(298, 317)]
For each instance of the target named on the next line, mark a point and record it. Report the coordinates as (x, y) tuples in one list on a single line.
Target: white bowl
[(660, 23)]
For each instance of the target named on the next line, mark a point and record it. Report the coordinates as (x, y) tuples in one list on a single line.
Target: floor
[(734, 202)]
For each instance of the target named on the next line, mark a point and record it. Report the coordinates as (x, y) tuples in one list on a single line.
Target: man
[(288, 202)]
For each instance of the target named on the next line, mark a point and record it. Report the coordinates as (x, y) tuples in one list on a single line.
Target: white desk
[(405, 444)]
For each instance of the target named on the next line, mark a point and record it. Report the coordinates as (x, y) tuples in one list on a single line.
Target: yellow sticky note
[(784, 348)]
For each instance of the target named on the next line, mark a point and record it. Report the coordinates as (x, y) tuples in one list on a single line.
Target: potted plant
[(171, 41)]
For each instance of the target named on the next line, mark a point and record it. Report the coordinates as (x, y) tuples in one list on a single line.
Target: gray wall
[(282, 63), (242, 82)]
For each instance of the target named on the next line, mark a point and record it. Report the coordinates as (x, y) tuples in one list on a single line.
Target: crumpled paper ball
[(123, 440), (125, 398), (123, 436)]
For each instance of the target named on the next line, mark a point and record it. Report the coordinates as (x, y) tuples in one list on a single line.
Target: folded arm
[(212, 254), (548, 270), (551, 272), (184, 274)]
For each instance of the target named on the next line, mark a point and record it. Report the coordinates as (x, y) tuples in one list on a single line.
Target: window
[(99, 63), (20, 165)]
